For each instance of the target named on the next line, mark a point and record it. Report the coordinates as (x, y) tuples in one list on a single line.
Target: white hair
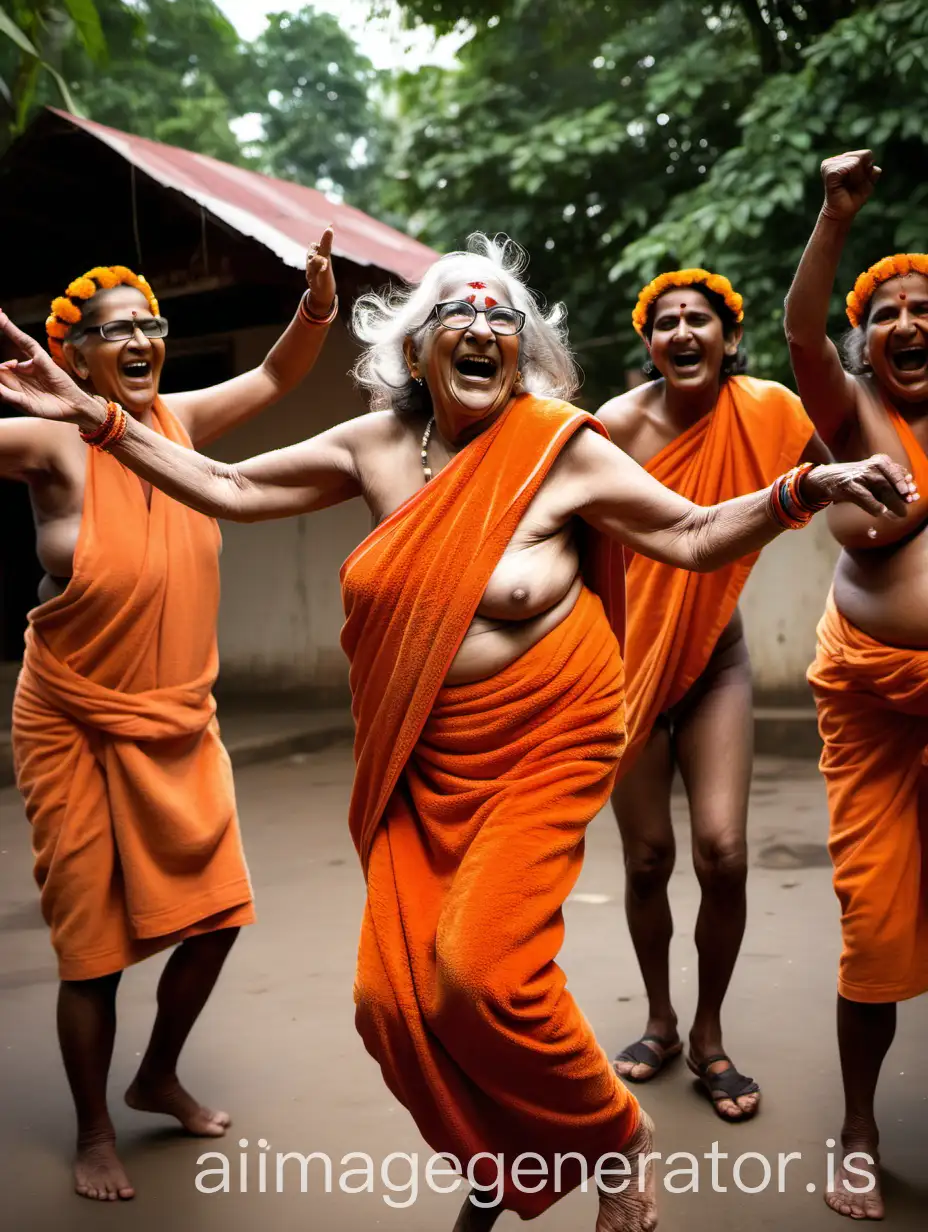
[(382, 322)]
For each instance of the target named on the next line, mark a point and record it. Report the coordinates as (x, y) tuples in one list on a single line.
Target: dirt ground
[(278, 1049)]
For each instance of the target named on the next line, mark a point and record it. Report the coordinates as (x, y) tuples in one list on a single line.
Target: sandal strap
[(726, 1083), (641, 1054)]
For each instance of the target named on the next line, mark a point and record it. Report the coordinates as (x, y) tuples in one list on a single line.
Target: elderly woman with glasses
[(487, 681), (126, 783)]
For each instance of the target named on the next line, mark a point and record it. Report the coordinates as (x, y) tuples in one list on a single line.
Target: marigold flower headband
[(867, 282), (66, 310), (685, 278)]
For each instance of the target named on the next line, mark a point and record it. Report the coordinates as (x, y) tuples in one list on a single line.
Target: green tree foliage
[(616, 140), (176, 71), (33, 37), (313, 91)]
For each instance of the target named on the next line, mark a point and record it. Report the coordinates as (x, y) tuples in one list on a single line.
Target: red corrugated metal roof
[(283, 217)]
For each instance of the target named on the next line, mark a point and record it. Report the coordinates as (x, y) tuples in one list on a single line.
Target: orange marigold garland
[(685, 278), (66, 309), (896, 266)]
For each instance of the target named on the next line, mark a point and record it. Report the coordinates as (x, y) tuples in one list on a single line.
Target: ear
[(75, 359), (412, 360), (733, 340)]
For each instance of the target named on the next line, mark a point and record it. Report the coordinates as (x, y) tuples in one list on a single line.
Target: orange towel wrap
[(872, 704), (873, 716), (117, 751), (469, 814), (756, 431)]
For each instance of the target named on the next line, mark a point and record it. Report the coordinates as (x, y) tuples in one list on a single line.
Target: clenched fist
[(849, 180)]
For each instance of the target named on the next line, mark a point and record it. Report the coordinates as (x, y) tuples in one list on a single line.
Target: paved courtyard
[(277, 1045)]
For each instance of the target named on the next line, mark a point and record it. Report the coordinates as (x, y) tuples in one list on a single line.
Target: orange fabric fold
[(872, 702), (126, 783), (756, 431), (469, 813)]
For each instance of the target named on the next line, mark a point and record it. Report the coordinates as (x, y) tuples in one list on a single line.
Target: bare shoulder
[(623, 415), (377, 430)]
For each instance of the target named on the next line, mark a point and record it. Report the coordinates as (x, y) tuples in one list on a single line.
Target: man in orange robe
[(469, 812)]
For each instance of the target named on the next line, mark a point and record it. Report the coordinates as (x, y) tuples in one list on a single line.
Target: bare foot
[(169, 1097), (97, 1171), (635, 1209), (856, 1194)]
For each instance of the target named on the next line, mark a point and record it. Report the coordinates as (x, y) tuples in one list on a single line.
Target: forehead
[(685, 298), (477, 285), (907, 284), (113, 304)]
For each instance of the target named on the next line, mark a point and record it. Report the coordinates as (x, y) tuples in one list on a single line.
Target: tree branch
[(764, 38)]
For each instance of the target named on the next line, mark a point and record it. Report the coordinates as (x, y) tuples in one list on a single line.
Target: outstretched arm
[(209, 413), (828, 392), (613, 493), (312, 475)]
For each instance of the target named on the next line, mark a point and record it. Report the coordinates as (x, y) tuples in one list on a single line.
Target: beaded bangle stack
[(111, 431), (787, 505), (307, 318)]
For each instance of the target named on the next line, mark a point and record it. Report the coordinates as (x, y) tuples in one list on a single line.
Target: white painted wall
[(281, 607), (782, 604)]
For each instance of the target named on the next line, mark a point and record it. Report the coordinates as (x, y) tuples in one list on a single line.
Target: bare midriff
[(884, 591)]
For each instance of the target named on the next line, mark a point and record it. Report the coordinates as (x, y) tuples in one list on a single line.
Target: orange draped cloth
[(756, 431), (126, 783), (469, 813), (872, 704)]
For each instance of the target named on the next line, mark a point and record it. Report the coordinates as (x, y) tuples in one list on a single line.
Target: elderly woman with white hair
[(487, 685)]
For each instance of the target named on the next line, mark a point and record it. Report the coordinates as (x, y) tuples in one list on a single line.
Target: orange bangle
[(307, 317), (111, 431), (95, 435), (119, 430)]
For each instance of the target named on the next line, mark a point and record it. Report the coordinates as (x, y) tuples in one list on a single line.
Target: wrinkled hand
[(36, 385), (319, 275), (877, 485), (849, 180)]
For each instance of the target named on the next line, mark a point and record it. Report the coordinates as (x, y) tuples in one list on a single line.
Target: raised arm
[(613, 493), (209, 413), (828, 392), (312, 475)]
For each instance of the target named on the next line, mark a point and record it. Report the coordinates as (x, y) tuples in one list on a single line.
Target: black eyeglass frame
[(462, 303), (162, 322)]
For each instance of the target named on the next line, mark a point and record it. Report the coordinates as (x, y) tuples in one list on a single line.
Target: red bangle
[(96, 435), (111, 431), (796, 477), (309, 319), (779, 510)]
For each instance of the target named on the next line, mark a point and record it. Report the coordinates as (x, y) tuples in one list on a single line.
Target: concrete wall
[(281, 606), (782, 603)]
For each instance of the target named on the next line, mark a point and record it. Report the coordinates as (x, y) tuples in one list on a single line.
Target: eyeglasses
[(120, 331), (459, 314)]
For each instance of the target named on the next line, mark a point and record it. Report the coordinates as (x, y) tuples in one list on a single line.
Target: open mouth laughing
[(136, 369), (686, 359), (481, 368), (909, 359)]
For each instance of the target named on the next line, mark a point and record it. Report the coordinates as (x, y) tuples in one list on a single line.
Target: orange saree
[(872, 702), (126, 784), (756, 431), (469, 812)]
